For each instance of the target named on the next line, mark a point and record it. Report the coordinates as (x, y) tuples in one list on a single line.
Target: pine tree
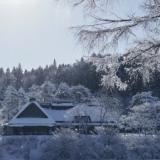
[(9, 78), (18, 74)]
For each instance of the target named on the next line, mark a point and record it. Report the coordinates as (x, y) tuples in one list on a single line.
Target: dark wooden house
[(41, 119)]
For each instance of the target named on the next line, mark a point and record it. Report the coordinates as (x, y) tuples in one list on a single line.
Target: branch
[(137, 19), (150, 46)]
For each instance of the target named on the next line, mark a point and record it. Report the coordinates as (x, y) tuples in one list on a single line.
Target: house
[(35, 118)]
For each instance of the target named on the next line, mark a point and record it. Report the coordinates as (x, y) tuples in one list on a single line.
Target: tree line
[(80, 73)]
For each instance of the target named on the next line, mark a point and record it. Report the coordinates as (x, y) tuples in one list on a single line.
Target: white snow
[(62, 104), (95, 112), (58, 115)]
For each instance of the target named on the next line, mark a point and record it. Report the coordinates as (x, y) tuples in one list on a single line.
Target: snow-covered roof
[(96, 113), (59, 115), (54, 115), (63, 104), (29, 121)]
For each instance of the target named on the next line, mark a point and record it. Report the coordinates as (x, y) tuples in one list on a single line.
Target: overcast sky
[(34, 32)]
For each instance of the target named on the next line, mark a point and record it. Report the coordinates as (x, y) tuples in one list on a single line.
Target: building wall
[(35, 130)]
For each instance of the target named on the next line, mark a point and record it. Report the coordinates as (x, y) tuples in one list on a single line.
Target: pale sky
[(34, 32)]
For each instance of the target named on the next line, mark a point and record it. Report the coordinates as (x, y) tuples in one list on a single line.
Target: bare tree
[(104, 31)]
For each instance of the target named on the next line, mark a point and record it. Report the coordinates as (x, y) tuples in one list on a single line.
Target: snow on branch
[(103, 32)]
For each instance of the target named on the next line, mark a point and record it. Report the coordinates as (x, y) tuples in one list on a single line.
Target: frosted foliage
[(81, 89), (48, 89), (143, 97), (80, 93), (35, 92), (143, 60), (109, 64), (63, 86), (110, 103), (111, 108), (78, 147), (22, 96), (63, 145), (104, 31), (144, 113), (11, 97), (134, 63), (145, 117), (10, 102), (70, 146), (2, 113), (63, 91)]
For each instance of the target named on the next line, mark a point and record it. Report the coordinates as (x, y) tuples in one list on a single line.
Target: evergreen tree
[(18, 74), (9, 78)]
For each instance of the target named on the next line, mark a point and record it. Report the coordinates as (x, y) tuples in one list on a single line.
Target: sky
[(34, 32)]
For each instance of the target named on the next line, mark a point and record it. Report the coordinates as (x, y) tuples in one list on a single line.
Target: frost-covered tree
[(143, 97), (28, 79), (52, 72), (69, 145), (48, 89), (2, 113), (80, 93), (63, 91), (144, 114), (35, 92), (111, 107), (61, 147), (2, 83), (105, 30), (18, 74), (10, 102), (81, 72), (9, 78), (22, 96), (110, 65)]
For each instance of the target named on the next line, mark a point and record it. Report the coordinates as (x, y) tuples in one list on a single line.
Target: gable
[(32, 111)]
